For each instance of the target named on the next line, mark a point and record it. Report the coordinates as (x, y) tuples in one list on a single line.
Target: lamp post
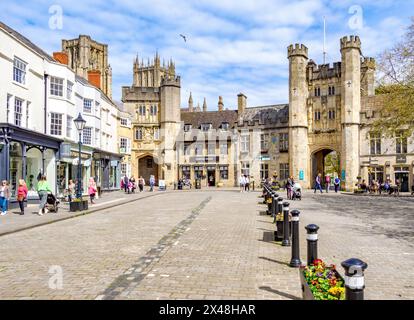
[(80, 124)]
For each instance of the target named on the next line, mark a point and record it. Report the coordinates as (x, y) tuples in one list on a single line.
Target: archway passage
[(325, 162), (147, 167)]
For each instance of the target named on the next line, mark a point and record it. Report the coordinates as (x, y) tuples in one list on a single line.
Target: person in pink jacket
[(92, 189), (21, 195)]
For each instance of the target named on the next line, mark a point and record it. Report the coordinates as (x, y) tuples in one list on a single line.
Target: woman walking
[(152, 183), (4, 197), (43, 188), (92, 189), (141, 183), (71, 190), (21, 195)]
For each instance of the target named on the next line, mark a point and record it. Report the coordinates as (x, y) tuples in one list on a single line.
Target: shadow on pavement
[(275, 261), (280, 293)]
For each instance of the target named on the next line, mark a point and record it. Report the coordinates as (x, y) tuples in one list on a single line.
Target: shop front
[(106, 170), (27, 155), (68, 167)]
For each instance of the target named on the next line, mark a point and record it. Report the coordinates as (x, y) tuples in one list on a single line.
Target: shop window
[(224, 172)]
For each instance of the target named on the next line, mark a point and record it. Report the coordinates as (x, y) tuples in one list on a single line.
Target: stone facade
[(329, 113)]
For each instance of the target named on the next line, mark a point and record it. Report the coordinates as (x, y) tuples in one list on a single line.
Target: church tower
[(298, 121), (350, 108)]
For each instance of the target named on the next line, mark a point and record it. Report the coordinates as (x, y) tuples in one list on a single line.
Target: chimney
[(190, 103), (241, 103), (94, 78), (220, 104), (204, 105), (61, 57)]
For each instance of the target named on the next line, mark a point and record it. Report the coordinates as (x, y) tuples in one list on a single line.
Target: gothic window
[(142, 110), (317, 115), (331, 114), (317, 92), (138, 134)]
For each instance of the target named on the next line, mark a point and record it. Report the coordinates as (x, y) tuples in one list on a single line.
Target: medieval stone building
[(325, 127)]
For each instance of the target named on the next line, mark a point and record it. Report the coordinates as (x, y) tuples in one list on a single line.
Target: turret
[(350, 108), (368, 67), (190, 103), (204, 105), (170, 99), (298, 122)]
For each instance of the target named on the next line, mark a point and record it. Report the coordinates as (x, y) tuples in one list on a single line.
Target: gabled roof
[(26, 41)]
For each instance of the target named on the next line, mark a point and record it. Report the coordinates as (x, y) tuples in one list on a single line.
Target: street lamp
[(80, 124)]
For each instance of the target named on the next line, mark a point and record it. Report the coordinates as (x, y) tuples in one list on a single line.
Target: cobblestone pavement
[(205, 245)]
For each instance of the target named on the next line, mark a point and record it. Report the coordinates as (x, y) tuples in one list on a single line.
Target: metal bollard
[(354, 278), (312, 239), (274, 204), (286, 238), (295, 261)]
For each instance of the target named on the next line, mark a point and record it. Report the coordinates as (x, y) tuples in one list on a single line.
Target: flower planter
[(78, 206), (326, 291)]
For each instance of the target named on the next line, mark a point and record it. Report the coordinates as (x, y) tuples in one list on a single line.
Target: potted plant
[(78, 204), (279, 226), (321, 282)]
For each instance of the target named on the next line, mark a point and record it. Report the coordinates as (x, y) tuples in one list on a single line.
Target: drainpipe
[(45, 110)]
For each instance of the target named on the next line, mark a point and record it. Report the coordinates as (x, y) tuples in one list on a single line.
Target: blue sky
[(233, 45)]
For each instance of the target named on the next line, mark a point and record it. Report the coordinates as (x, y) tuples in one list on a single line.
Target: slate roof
[(216, 118), (267, 115), (26, 41)]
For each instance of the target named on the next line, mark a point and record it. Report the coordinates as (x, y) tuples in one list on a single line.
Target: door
[(211, 175), (403, 177)]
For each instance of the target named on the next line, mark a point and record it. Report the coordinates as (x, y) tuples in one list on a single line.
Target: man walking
[(337, 182), (318, 183), (126, 184)]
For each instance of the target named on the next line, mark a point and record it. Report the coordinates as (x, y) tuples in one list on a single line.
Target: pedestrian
[(71, 190), (4, 197), (133, 183), (125, 184), (327, 182), (398, 186), (242, 182), (318, 185), (92, 189), (43, 188), (247, 183), (22, 195), (337, 183), (141, 183), (152, 182), (289, 186)]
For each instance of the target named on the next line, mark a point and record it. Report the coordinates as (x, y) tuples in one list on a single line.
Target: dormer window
[(206, 127), (187, 127), (225, 126)]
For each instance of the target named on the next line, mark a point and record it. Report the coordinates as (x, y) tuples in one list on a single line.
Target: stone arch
[(148, 165), (321, 163)]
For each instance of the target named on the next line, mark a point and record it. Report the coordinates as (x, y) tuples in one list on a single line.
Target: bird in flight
[(184, 37)]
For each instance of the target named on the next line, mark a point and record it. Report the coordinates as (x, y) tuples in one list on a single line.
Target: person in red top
[(327, 182), (21, 195)]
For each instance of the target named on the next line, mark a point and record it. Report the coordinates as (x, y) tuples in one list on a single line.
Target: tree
[(396, 84)]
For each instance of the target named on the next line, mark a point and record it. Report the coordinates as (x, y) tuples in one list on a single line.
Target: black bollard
[(286, 240), (312, 239), (354, 278), (295, 261)]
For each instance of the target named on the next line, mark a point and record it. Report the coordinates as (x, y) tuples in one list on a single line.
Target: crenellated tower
[(350, 108), (298, 121)]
